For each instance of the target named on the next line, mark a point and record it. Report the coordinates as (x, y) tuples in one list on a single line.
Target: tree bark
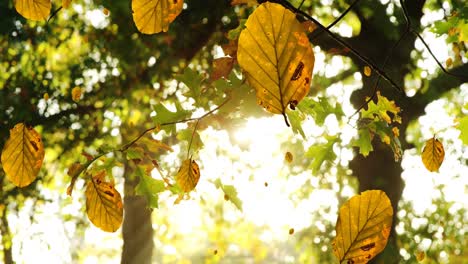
[(137, 227)]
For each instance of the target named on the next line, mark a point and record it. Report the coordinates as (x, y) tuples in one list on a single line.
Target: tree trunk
[(137, 227)]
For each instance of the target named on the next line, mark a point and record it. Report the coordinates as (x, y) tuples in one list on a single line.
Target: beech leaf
[(154, 16), (22, 155), (433, 154), (188, 175), (277, 57), (103, 203), (33, 9), (363, 226)]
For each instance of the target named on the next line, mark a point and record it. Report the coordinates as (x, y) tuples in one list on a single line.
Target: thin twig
[(54, 13), (356, 53), (336, 20), (191, 139), (409, 27)]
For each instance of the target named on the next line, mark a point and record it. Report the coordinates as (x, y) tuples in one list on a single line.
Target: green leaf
[(193, 80), (321, 152), (463, 127), (364, 142), (149, 188), (319, 110), (164, 116), (186, 135), (381, 110), (296, 118), (230, 192), (135, 153)]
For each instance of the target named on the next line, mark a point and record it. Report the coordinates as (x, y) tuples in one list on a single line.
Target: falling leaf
[(222, 67), (291, 231), (22, 155), (363, 227), (154, 16), (449, 62), (215, 252), (66, 3), (103, 203), (105, 11), (288, 157), (188, 175), (46, 96), (367, 71), (76, 94), (33, 9), (433, 154), (277, 57), (420, 256)]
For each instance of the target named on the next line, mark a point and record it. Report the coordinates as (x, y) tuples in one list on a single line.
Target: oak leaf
[(22, 155), (363, 226)]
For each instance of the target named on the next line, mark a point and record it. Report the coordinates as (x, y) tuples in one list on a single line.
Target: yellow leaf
[(154, 16), (188, 175), (433, 154), (363, 227), (449, 62), (420, 256), (277, 57), (66, 3), (240, 2), (33, 9), (76, 94), (46, 96), (367, 71), (103, 203), (22, 155), (105, 11), (291, 231), (288, 157)]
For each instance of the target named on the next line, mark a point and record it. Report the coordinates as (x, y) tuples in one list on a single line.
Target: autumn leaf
[(76, 94), (381, 110), (364, 142), (66, 3), (222, 67), (367, 71), (277, 57), (73, 171), (33, 9), (433, 154), (363, 226), (103, 203), (154, 16), (188, 175), (288, 157), (241, 2), (22, 155)]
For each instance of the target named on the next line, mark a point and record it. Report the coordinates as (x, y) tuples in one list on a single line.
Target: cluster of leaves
[(277, 60)]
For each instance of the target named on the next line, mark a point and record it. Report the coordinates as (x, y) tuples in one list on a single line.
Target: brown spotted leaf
[(22, 155), (103, 203), (188, 175), (363, 227), (154, 16), (277, 57), (433, 154)]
